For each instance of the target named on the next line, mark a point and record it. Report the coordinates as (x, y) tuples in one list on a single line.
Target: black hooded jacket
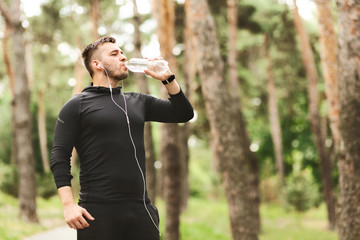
[(97, 128)]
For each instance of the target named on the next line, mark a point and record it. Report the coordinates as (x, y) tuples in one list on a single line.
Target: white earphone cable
[(134, 147)]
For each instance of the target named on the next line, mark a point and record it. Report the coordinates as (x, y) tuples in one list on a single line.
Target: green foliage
[(203, 177), (50, 119), (271, 188), (5, 130), (301, 191), (291, 85), (9, 179), (49, 22), (45, 185)]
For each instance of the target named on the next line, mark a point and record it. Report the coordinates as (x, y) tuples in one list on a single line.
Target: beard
[(120, 76), (117, 74)]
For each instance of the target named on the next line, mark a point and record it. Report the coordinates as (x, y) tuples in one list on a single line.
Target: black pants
[(120, 221)]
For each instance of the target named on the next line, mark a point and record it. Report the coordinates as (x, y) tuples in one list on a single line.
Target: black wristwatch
[(169, 80)]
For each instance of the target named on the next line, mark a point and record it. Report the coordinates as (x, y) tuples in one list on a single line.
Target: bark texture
[(329, 62), (171, 149), (10, 73), (190, 70), (274, 114), (142, 83), (22, 117), (95, 15), (78, 68), (225, 130), (348, 223), (42, 131), (315, 119), (250, 156)]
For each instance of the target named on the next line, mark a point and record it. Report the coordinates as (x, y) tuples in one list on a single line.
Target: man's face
[(113, 60)]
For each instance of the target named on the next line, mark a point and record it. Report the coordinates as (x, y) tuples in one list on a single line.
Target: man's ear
[(96, 64)]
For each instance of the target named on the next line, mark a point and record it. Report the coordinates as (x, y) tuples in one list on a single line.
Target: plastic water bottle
[(141, 64)]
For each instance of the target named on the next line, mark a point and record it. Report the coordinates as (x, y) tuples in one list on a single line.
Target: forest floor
[(204, 219)]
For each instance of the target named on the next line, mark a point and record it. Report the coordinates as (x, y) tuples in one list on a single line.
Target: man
[(106, 126)]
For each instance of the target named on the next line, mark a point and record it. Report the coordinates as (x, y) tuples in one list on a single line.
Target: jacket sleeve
[(66, 133), (177, 109)]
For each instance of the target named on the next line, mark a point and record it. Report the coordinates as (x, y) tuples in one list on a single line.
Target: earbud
[(98, 65)]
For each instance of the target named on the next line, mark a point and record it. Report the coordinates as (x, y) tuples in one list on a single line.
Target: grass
[(204, 219), (209, 223), (279, 224), (13, 228), (208, 219)]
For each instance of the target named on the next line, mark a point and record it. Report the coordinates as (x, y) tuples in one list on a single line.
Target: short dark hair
[(88, 52)]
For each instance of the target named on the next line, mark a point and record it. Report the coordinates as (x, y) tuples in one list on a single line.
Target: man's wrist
[(169, 79), (173, 88), (68, 203), (66, 196)]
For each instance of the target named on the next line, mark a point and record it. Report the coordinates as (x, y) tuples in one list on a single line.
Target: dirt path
[(59, 233)]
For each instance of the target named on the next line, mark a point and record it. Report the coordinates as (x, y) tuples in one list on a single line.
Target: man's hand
[(74, 216), (156, 75), (173, 87), (73, 213)]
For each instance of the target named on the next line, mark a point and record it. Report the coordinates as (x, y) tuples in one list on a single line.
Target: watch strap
[(169, 80)]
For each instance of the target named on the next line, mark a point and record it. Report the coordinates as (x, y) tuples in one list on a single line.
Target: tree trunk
[(29, 60), (150, 162), (224, 123), (251, 158), (274, 114), (329, 52), (7, 61), (41, 113), (42, 131), (142, 83), (348, 223), (79, 75), (24, 150), (185, 132), (95, 12), (10, 74), (171, 154), (190, 85), (79, 69), (315, 121)]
